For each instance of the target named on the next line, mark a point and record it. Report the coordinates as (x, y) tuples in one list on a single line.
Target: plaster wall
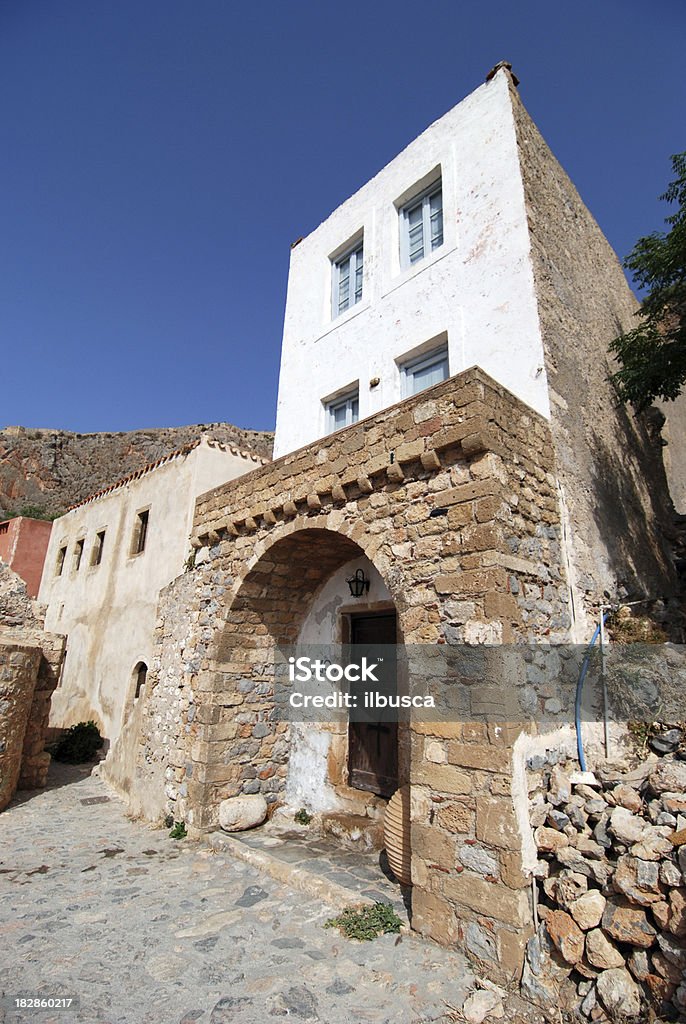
[(23, 543), (476, 289), (109, 610)]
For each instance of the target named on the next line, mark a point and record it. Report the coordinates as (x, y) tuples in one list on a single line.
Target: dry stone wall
[(30, 664), (612, 887), (18, 672)]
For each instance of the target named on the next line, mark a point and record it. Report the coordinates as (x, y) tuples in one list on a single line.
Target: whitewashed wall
[(108, 611), (477, 288)]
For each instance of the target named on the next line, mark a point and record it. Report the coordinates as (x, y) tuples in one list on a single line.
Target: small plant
[(366, 922), (78, 744), (178, 831), (302, 817)]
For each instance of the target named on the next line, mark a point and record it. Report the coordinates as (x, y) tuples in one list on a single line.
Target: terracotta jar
[(396, 830)]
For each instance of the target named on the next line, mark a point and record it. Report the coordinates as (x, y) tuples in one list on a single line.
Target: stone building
[(108, 559), (446, 426)]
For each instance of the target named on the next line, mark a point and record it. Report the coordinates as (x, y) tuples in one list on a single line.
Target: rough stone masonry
[(452, 496)]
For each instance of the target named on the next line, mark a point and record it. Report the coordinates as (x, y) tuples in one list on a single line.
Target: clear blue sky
[(158, 157)]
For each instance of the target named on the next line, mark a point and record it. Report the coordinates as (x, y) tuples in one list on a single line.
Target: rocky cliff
[(49, 470)]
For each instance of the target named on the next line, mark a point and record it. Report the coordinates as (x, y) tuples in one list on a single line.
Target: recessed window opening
[(61, 555), (421, 225), (348, 273), (78, 554), (141, 674), (424, 371), (96, 553), (140, 534), (343, 411), (4, 527)]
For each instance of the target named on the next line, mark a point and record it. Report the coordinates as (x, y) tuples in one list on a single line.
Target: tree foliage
[(653, 354)]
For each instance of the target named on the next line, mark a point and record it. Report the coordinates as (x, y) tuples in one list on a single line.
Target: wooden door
[(373, 744)]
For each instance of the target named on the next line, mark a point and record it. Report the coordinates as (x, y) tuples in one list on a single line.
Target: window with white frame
[(343, 411), (421, 225), (427, 369), (347, 279)]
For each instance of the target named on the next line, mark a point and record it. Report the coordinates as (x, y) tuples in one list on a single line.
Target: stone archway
[(246, 750), (452, 496)]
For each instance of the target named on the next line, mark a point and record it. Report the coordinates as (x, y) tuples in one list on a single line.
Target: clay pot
[(396, 831)]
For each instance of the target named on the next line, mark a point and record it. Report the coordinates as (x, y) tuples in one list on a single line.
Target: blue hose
[(579, 692)]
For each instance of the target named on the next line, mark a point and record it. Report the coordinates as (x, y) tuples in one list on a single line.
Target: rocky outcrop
[(50, 470)]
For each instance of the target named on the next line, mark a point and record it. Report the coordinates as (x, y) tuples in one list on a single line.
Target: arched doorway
[(295, 592)]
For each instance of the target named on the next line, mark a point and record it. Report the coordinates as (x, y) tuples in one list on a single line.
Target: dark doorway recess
[(373, 745)]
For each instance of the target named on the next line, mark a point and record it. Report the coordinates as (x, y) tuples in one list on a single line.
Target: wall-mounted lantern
[(358, 584)]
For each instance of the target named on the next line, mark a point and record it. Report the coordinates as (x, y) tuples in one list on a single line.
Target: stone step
[(317, 884)]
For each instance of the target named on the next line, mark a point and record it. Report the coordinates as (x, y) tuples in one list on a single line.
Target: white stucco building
[(422, 273), (107, 561)]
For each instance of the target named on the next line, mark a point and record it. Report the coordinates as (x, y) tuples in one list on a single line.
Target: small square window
[(140, 533), (421, 225), (347, 279), (343, 411), (96, 553), (420, 373)]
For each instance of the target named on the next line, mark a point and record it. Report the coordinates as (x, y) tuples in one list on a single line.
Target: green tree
[(653, 354)]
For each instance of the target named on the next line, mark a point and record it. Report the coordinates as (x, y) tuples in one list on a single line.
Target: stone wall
[(610, 470), (18, 672), (150, 763), (611, 895), (452, 497), (35, 760), (30, 664)]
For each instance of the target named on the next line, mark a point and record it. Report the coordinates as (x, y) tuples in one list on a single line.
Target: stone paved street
[(145, 930)]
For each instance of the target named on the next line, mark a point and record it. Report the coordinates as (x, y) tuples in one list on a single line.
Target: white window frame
[(410, 367), (354, 258), (422, 200), (351, 402)]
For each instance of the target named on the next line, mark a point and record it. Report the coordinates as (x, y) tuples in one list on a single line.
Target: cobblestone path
[(140, 929)]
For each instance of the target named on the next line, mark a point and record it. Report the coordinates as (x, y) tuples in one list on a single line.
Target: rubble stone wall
[(612, 887), (18, 673), (30, 665), (35, 760)]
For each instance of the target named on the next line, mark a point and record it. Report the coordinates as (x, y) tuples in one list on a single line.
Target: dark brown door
[(373, 744)]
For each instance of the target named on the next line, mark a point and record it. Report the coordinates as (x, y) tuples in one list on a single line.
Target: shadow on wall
[(640, 558)]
